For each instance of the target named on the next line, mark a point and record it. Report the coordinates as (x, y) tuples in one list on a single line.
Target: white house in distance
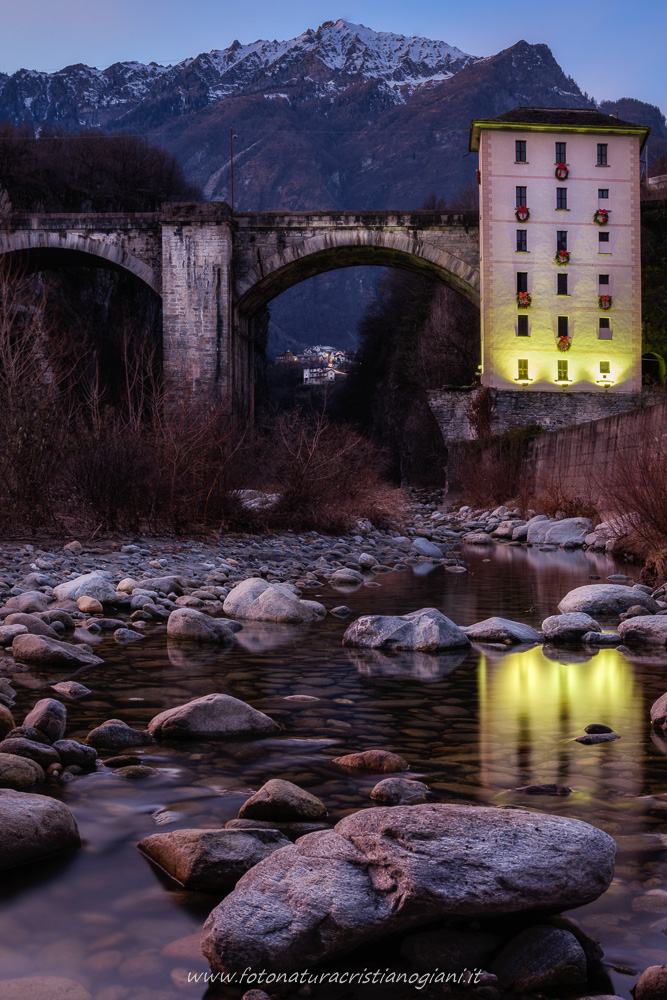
[(560, 250)]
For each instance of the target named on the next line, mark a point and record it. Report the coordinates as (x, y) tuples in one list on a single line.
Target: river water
[(473, 725)]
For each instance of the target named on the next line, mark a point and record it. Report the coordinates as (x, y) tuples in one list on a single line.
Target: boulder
[(214, 716), (6, 721), (71, 752), (427, 630), (281, 800), (33, 624), (424, 547), (40, 651), (605, 599), (591, 739), (537, 528), (188, 625), (652, 984), (645, 630), (659, 712), (114, 734), (210, 860), (41, 753), (49, 716), (570, 532), (90, 605), (163, 584), (42, 988), (33, 827), (398, 792), (29, 602), (70, 689), (601, 639), (9, 632), (346, 576), (541, 958), (570, 627), (124, 635), (267, 602), (378, 761), (382, 871), (477, 538), (502, 630), (19, 772), (89, 585)]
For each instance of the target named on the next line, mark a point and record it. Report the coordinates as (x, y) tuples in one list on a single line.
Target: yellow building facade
[(560, 250)]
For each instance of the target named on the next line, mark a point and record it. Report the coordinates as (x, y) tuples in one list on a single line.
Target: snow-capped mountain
[(114, 98)]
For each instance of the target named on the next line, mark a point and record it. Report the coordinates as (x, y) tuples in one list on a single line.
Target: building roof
[(559, 120)]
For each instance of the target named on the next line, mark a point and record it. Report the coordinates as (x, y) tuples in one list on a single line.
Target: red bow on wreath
[(564, 343), (605, 302)]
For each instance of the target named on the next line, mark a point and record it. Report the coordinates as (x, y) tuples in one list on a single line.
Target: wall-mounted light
[(605, 382), (523, 381)]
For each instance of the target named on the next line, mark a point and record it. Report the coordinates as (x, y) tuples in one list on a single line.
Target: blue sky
[(612, 48)]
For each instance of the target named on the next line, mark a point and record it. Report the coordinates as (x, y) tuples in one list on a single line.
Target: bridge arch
[(43, 250), (332, 249)]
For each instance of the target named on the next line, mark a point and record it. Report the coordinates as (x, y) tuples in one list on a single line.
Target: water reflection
[(419, 666)]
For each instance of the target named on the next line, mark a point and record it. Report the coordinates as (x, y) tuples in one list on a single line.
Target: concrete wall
[(620, 259)]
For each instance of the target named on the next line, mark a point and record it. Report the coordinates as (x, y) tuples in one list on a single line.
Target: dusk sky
[(612, 49)]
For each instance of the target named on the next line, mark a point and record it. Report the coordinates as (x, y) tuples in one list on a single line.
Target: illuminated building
[(560, 183)]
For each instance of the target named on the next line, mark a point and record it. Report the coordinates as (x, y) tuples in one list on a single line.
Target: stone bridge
[(214, 270)]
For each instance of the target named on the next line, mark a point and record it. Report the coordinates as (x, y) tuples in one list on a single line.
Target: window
[(604, 243), (603, 194), (521, 197), (520, 150), (603, 279), (561, 198), (605, 368), (522, 241), (602, 154), (604, 329), (561, 239), (562, 326), (522, 368), (522, 281), (522, 326), (560, 152), (562, 372), (561, 288)]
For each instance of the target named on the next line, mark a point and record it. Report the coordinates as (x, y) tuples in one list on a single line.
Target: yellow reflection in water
[(531, 708)]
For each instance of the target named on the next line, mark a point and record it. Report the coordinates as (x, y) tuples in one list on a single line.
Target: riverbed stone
[(211, 860), (6, 721), (42, 988), (33, 827), (644, 630), (501, 630), (114, 734), (40, 651), (49, 716), (9, 632), (88, 585), (591, 739), (605, 600), (282, 800), (568, 627), (537, 528), (659, 712), (72, 752), (189, 625), (427, 630), (652, 983), (33, 624), (424, 547), (569, 533), (385, 870), (214, 716), (90, 605), (42, 753), (71, 689), (375, 761), (541, 958), (346, 576), (19, 772), (29, 602), (398, 792), (258, 600)]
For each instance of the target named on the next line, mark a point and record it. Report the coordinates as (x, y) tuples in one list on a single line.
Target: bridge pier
[(198, 335)]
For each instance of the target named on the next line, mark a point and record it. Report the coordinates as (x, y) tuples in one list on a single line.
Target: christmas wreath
[(604, 301), (522, 213), (562, 257), (564, 343), (523, 299), (601, 217), (562, 172)]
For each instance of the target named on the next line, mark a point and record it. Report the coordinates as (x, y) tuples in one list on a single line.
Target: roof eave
[(476, 127)]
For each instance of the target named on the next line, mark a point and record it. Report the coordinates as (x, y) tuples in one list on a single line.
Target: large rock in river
[(214, 716), (40, 651), (268, 602), (502, 630), (427, 630), (33, 827), (188, 625), (645, 630), (89, 585), (385, 870), (606, 599)]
